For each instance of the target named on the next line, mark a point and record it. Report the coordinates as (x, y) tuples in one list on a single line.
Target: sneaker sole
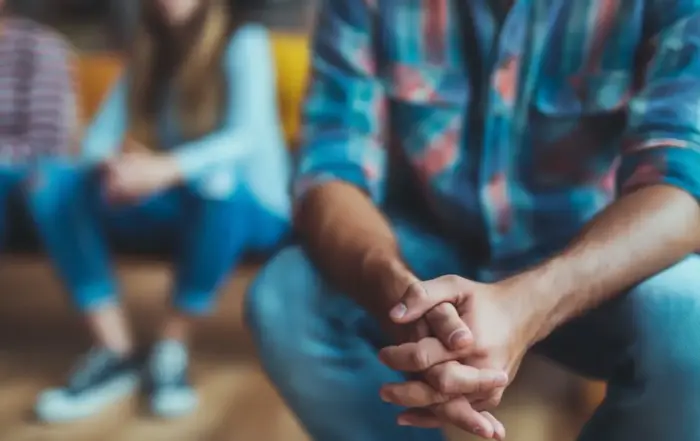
[(175, 405), (55, 406)]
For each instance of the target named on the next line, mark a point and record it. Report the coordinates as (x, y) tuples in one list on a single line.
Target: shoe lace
[(89, 367)]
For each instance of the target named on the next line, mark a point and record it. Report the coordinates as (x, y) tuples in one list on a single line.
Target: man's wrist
[(525, 302), (386, 275)]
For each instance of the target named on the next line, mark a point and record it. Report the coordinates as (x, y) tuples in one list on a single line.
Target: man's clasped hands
[(461, 343)]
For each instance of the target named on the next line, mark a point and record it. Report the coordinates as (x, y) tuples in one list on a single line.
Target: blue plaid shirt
[(579, 101)]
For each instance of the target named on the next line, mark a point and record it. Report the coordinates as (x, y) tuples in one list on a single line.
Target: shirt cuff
[(352, 175), (190, 162), (675, 166)]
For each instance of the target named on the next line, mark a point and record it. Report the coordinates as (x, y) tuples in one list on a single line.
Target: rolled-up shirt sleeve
[(343, 115), (662, 145)]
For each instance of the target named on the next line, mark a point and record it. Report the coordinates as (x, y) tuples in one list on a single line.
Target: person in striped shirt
[(186, 150), (38, 102), (480, 179)]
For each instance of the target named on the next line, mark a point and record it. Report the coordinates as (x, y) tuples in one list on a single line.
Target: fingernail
[(500, 377), (398, 311), (459, 338), (403, 422), (503, 433), (384, 396)]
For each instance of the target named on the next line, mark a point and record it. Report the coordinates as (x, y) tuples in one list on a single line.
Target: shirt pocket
[(427, 105), (583, 94), (576, 122)]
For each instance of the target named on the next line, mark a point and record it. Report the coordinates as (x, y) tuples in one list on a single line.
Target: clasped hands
[(461, 367), (138, 172)]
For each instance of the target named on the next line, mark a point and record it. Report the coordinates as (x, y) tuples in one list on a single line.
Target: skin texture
[(353, 245), (635, 238)]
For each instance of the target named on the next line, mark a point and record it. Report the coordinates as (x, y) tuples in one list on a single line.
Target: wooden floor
[(39, 339)]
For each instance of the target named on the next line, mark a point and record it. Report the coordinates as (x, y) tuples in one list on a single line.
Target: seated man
[(478, 144), (38, 109)]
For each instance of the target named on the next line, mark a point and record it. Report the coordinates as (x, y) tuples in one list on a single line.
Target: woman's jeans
[(210, 235), (11, 181)]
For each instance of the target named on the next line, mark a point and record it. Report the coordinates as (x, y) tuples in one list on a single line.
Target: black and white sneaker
[(171, 392), (99, 380)]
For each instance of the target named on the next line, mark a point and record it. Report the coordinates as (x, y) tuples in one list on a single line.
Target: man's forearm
[(636, 237), (352, 244)]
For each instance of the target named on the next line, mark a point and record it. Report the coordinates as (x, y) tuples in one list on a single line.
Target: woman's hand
[(137, 175)]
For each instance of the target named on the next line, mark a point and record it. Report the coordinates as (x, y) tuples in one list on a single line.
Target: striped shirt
[(513, 129), (38, 109)]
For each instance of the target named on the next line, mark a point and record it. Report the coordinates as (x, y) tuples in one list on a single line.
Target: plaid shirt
[(38, 108), (579, 100)]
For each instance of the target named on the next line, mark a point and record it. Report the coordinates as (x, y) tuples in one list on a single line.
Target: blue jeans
[(319, 348), (73, 219), (11, 179)]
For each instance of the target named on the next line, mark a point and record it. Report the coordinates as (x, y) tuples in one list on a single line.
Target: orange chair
[(592, 395), (96, 75)]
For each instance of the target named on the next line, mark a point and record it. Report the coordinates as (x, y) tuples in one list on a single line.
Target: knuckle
[(484, 384), (420, 359), (432, 377), (440, 397), (492, 402), (452, 280), (442, 310), (458, 285), (416, 291), (445, 381), (479, 351), (445, 384)]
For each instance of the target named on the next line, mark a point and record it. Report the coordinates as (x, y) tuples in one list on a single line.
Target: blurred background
[(40, 335)]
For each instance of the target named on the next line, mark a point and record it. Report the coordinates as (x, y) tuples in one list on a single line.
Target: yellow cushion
[(98, 71), (292, 58)]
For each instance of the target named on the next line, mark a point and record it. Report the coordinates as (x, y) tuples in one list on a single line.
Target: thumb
[(448, 327), (421, 297)]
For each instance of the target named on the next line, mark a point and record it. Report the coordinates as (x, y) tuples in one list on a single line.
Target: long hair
[(182, 64)]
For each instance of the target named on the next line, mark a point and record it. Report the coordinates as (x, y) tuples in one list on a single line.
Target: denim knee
[(292, 312), (299, 324), (666, 319), (50, 186), (220, 186), (280, 292)]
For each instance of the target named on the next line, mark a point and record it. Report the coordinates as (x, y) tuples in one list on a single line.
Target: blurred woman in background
[(186, 149)]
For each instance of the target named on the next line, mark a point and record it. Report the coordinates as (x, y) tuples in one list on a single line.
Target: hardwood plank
[(217, 386), (258, 414)]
